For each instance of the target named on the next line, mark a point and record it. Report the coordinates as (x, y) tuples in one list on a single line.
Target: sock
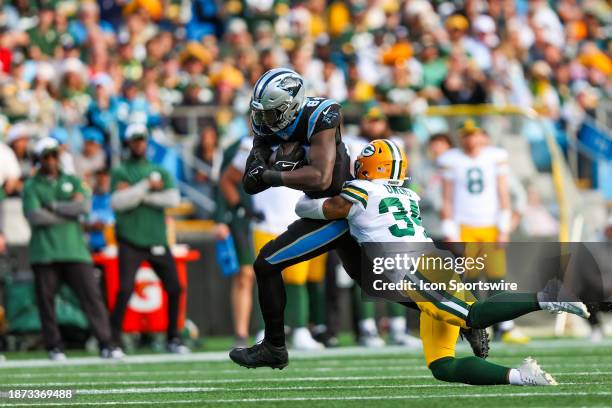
[(501, 307), (514, 377), (397, 325), (469, 370), (368, 326), (316, 302), (296, 312)]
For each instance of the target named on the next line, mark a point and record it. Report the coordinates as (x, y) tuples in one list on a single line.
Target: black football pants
[(79, 276), (303, 240)]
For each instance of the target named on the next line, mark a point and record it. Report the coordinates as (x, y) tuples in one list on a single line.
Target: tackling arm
[(333, 208)]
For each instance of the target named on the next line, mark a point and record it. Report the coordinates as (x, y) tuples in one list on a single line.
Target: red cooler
[(147, 311)]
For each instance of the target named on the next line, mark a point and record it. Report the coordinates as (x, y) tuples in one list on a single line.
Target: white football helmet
[(277, 98)]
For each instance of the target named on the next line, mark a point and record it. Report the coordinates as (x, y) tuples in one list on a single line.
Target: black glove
[(252, 179)]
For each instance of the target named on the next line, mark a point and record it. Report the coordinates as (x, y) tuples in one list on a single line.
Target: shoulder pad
[(356, 192), (326, 114)]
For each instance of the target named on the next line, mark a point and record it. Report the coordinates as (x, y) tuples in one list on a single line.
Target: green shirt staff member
[(141, 191), (53, 202)]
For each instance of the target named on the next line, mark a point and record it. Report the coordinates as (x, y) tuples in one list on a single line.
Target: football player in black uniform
[(281, 114)]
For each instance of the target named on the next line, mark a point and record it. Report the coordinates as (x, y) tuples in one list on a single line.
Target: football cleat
[(405, 339), (478, 339), (557, 299), (371, 340), (303, 340), (57, 355), (175, 346), (112, 353), (532, 374), (261, 355)]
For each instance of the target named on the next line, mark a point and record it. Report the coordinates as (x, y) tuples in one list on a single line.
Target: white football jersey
[(475, 190), (277, 203), (383, 213)]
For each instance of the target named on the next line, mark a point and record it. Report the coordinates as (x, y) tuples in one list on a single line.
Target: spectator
[(92, 158), (9, 182), (19, 139), (58, 252), (428, 180), (65, 157), (141, 191), (44, 39), (101, 217), (102, 111), (464, 83)]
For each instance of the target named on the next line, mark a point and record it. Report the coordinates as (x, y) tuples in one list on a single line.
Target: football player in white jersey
[(380, 210), (374, 125), (476, 206)]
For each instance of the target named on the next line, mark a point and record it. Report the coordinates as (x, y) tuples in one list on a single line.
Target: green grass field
[(344, 377)]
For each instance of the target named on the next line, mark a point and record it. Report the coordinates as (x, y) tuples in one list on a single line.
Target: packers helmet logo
[(368, 151)]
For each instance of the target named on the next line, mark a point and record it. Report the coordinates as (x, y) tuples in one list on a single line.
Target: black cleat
[(478, 339), (261, 355)]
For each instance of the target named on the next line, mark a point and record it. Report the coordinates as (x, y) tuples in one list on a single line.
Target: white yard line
[(215, 381), (158, 390), (305, 399), (338, 352), (410, 365), (260, 379)]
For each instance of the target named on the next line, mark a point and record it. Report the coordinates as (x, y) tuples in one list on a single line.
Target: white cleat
[(57, 355), (303, 340), (557, 299), (371, 340), (404, 339), (112, 353), (532, 374)]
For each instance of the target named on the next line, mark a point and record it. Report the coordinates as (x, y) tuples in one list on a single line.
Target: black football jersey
[(316, 114)]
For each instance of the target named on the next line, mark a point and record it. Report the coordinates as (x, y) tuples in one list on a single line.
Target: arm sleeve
[(42, 217), (310, 208), (124, 200), (72, 209), (165, 198)]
